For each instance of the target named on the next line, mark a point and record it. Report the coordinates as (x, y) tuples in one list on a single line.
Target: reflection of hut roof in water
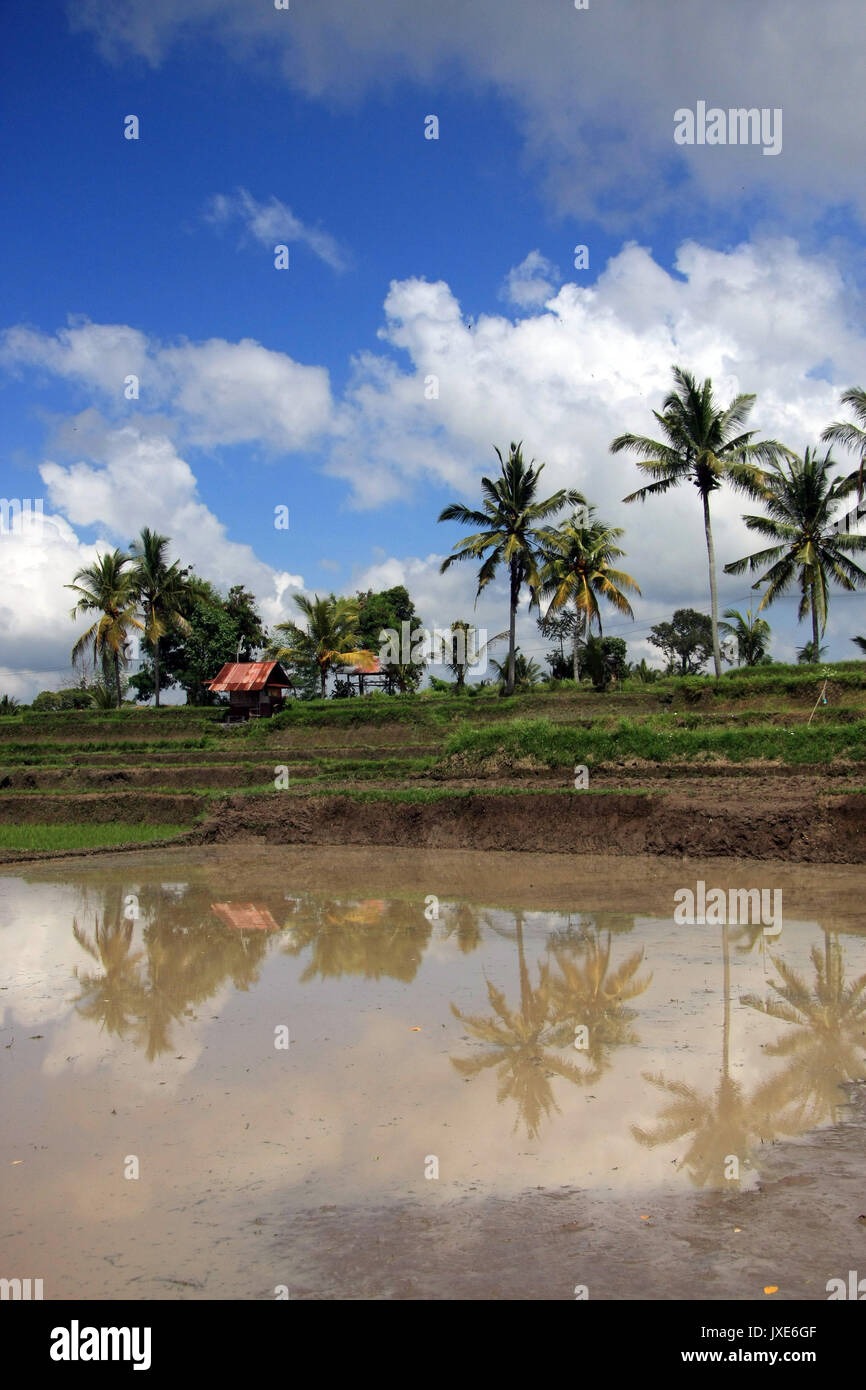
[(245, 916)]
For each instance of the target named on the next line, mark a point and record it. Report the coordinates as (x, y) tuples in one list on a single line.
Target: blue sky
[(305, 387)]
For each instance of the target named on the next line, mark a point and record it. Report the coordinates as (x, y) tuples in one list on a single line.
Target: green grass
[(76, 836), (557, 745)]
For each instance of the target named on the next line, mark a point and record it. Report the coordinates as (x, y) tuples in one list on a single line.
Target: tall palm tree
[(751, 634), (329, 639), (851, 436), (577, 568), (106, 587), (704, 445), (800, 498), (162, 591), (508, 534)]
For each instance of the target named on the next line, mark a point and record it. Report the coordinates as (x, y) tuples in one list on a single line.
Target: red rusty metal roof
[(245, 916), (249, 675)]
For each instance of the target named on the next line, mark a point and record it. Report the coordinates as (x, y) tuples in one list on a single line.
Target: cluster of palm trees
[(706, 445), (139, 591), (568, 564), (569, 567)]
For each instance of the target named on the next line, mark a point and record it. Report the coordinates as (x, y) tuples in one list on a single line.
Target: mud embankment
[(831, 829)]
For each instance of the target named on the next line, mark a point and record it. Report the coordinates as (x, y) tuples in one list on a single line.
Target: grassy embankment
[(96, 778)]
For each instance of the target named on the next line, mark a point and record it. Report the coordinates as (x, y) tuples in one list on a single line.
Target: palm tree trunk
[(323, 676), (117, 677), (714, 598), (576, 644), (815, 650), (512, 628), (156, 670)]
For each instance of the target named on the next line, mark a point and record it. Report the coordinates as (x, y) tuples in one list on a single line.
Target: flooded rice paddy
[(345, 1073)]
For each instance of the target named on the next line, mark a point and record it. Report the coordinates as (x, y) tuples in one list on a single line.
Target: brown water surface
[(472, 1041)]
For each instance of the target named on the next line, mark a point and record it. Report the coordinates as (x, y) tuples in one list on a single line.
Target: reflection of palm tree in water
[(586, 991), (372, 938), (520, 1040), (113, 997), (829, 1021), (590, 993), (185, 957), (725, 1122)]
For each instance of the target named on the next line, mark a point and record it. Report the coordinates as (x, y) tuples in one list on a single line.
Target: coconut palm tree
[(703, 445), (526, 672), (800, 499), (107, 587), (751, 634), (577, 568), (508, 535), (329, 639), (162, 591), (851, 436)]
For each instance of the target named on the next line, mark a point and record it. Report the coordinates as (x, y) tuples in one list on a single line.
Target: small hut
[(256, 689)]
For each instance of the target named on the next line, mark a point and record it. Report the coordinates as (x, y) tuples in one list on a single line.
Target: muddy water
[(346, 1073)]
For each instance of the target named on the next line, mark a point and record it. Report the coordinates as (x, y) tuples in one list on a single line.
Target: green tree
[(604, 659), (526, 672), (861, 642), (800, 499), (751, 634), (509, 533), (106, 587), (851, 436), (577, 568), (387, 611), (162, 590), (686, 641), (219, 630), (330, 639), (704, 445)]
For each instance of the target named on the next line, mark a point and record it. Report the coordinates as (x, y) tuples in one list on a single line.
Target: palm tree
[(703, 445), (461, 653), (577, 569), (851, 436), (330, 638), (800, 498), (508, 533), (106, 587), (526, 672), (750, 633), (162, 590)]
